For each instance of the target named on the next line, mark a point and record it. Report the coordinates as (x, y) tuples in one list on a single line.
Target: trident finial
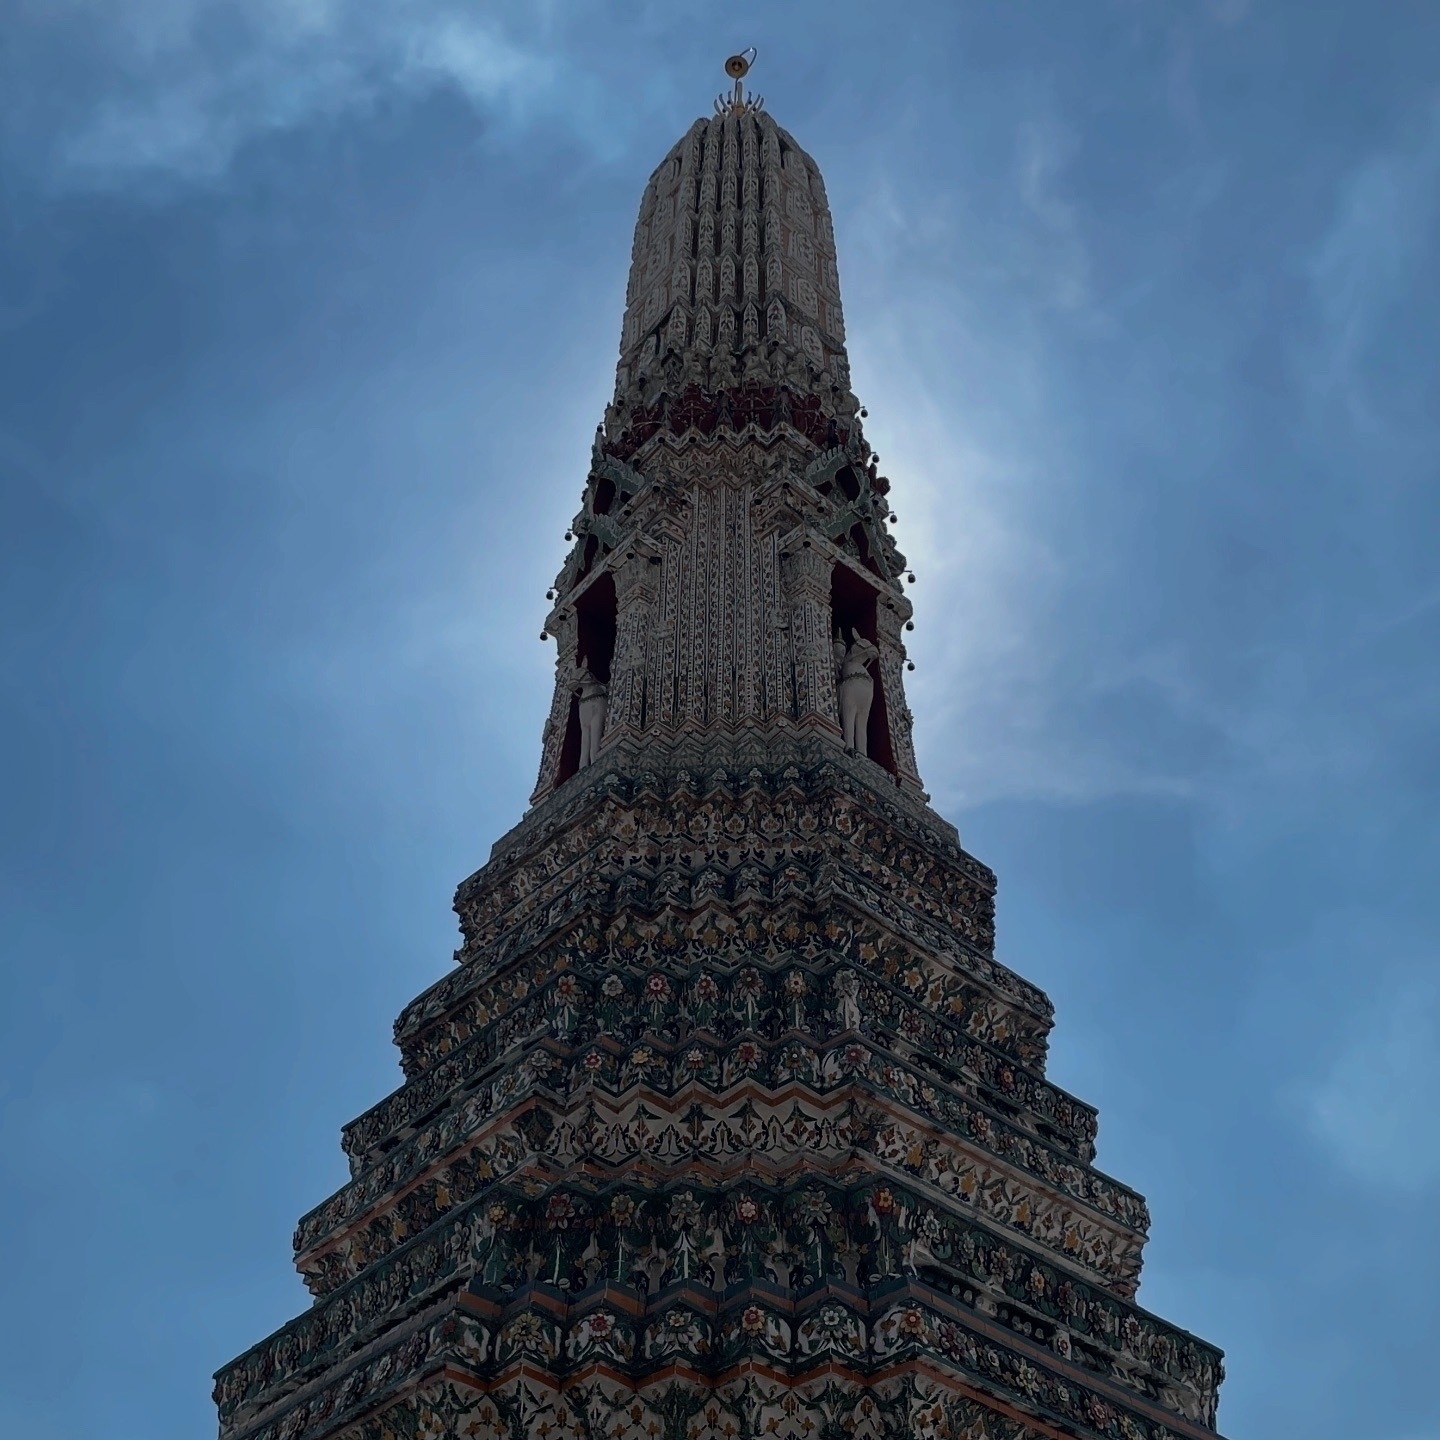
[(738, 102)]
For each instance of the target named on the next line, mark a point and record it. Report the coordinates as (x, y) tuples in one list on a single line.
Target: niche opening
[(594, 649), (852, 611)]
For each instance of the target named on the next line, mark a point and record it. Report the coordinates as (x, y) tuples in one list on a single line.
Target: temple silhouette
[(727, 1123)]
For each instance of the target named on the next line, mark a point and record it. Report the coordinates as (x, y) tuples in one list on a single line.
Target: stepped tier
[(750, 1109)]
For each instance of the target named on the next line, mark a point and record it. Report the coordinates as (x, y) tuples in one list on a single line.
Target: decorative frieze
[(946, 1026), (612, 1340)]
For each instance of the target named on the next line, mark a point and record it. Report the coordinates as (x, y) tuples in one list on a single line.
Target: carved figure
[(594, 699), (855, 688), (847, 994)]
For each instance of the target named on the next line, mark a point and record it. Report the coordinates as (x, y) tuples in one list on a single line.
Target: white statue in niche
[(855, 688), (594, 698)]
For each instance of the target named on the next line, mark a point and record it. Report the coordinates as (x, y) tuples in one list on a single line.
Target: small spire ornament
[(738, 101)]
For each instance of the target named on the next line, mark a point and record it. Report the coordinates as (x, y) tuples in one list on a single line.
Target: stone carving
[(591, 695), (727, 1122), (847, 1000), (856, 689)]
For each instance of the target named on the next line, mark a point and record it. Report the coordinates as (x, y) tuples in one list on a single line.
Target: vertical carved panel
[(635, 589), (665, 666), (890, 618), (806, 572), (563, 628)]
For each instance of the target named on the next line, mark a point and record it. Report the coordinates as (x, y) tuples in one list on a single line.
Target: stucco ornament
[(856, 689), (594, 698)]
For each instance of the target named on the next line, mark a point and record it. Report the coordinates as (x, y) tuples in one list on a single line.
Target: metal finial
[(737, 102)]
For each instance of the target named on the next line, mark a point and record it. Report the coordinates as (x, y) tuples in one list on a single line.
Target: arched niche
[(594, 649)]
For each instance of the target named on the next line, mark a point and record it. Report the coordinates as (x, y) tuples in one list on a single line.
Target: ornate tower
[(727, 1123)]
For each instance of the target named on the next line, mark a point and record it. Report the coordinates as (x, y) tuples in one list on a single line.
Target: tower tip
[(737, 101)]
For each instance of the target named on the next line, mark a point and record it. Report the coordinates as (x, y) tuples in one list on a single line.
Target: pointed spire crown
[(733, 273)]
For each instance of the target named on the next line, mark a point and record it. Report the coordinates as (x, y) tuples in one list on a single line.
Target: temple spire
[(727, 1122), (733, 591)]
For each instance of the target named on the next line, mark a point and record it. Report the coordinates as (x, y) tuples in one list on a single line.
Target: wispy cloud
[(1044, 150), (955, 341), (1365, 265), (1374, 1109), (1077, 641), (177, 87)]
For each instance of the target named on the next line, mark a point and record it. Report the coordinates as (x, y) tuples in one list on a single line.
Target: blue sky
[(308, 309)]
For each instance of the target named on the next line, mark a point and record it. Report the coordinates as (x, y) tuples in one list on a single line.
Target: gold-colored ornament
[(737, 101)]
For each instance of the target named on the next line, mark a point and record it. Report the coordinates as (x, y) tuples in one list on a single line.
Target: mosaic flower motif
[(813, 1207), (1101, 1415), (685, 1210), (560, 1211), (524, 1330)]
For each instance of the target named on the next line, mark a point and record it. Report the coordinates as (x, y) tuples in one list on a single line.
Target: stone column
[(635, 590), (805, 573), (891, 613), (563, 626)]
